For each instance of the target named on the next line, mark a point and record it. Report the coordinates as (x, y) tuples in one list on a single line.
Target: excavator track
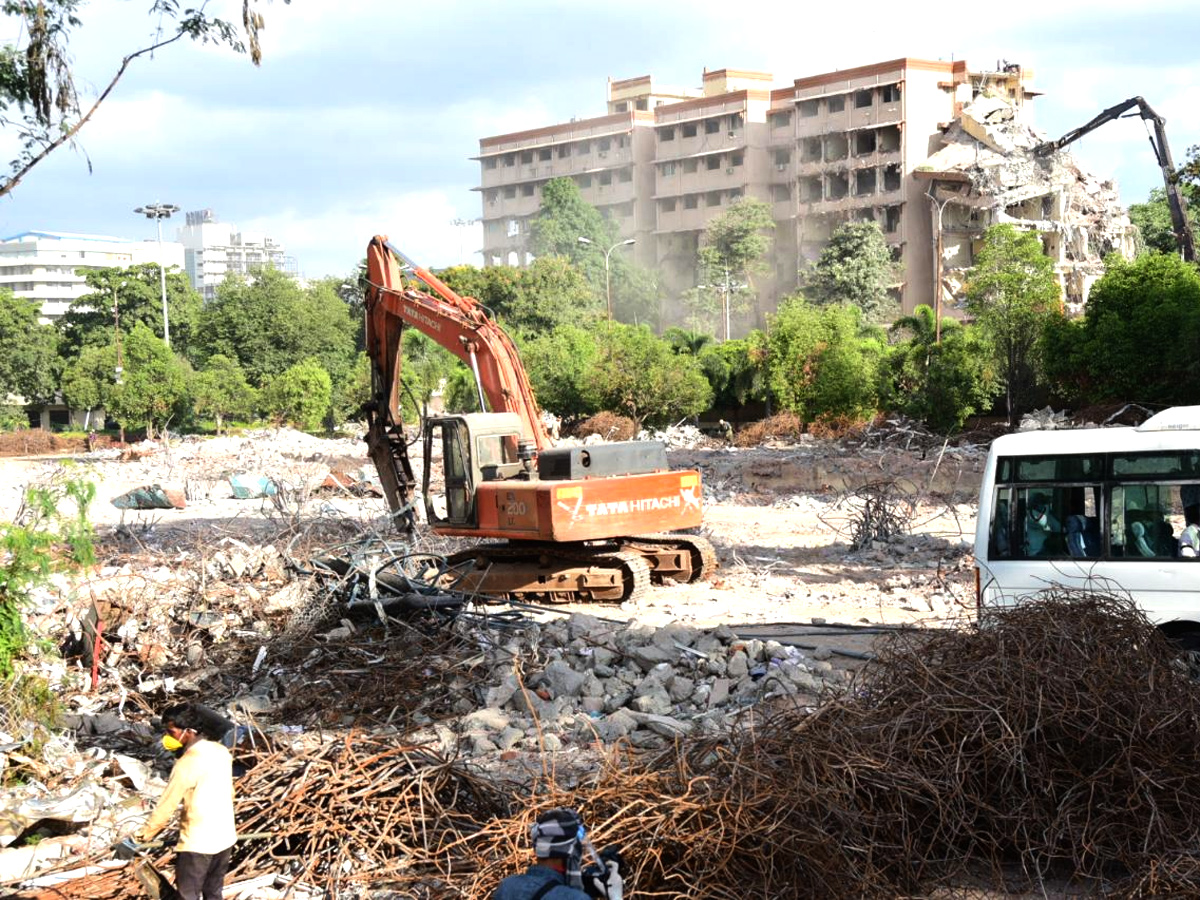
[(685, 558), (551, 573)]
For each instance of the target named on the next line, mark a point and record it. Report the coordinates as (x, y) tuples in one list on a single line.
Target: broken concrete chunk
[(561, 679)]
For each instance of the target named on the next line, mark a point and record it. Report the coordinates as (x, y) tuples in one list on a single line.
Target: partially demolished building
[(986, 173), (932, 151)]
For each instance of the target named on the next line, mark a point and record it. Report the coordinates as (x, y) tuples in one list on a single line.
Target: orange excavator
[(562, 524)]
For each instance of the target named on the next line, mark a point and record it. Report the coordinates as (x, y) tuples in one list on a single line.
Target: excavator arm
[(459, 324), (1162, 152)]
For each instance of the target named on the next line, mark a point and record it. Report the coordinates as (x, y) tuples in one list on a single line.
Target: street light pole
[(158, 212), (607, 280)]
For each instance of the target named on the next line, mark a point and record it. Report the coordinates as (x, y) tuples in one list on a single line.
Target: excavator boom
[(1162, 152), (579, 522)]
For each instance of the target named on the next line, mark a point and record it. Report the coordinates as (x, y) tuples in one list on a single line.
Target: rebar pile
[(1060, 738)]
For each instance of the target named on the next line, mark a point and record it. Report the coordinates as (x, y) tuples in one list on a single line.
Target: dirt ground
[(781, 518)]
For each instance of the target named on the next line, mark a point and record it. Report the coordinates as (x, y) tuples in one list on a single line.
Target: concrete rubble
[(223, 615), (986, 173)]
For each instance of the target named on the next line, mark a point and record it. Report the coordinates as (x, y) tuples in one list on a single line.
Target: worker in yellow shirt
[(202, 782)]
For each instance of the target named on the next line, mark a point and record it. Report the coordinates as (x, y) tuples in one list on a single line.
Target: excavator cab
[(462, 451)]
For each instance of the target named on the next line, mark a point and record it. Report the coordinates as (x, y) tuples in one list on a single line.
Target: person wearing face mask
[(202, 784), (1039, 525)]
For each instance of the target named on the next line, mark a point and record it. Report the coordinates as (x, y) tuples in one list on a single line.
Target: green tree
[(563, 218), (855, 267), (1011, 292), (1153, 218), (551, 291), (351, 394), (136, 293), (746, 380), (29, 365), (425, 367), (942, 384), (269, 323), (560, 364), (822, 361), (220, 390), (732, 251), (638, 375), (299, 395), (151, 389), (1140, 335), (39, 102)]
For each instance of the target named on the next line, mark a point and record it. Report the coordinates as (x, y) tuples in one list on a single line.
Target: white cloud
[(333, 240)]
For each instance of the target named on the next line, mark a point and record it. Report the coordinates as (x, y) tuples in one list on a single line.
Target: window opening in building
[(603, 144), (642, 103), (780, 192), (712, 198), (713, 162), (734, 194), (836, 103), (510, 159), (585, 181), (585, 147), (735, 121), (891, 178), (527, 190), (862, 99), (865, 215), (666, 134), (712, 126), (490, 162), (564, 151), (544, 154), (735, 159), (605, 179), (864, 142), (510, 191), (622, 106), (837, 186), (783, 157), (889, 93), (689, 130), (889, 139), (668, 205), (810, 189), (667, 168), (691, 201), (807, 108), (690, 166), (864, 182), (810, 150), (625, 175), (837, 146), (527, 157), (781, 120)]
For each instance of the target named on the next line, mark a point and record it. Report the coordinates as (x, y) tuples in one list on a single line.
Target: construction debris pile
[(987, 173)]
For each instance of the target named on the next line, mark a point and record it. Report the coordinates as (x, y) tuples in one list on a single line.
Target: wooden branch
[(68, 135)]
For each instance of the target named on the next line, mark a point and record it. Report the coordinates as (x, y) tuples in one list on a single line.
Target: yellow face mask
[(171, 744)]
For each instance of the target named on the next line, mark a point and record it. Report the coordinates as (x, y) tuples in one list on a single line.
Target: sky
[(364, 114)]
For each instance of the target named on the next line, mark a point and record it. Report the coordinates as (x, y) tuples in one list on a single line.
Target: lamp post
[(158, 212), (724, 289), (462, 225), (938, 260), (607, 281)]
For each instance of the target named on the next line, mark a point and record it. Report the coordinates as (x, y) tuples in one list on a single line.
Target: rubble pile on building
[(989, 148)]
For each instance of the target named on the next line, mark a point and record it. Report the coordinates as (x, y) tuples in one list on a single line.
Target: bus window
[(1001, 526), (1058, 521)]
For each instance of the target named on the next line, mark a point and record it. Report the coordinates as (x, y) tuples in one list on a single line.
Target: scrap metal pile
[(1056, 742)]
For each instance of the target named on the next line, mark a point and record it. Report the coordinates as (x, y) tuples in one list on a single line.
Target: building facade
[(49, 267), (830, 148), (213, 249)]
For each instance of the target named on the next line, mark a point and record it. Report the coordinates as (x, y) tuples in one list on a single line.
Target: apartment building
[(215, 249), (49, 267), (830, 148)]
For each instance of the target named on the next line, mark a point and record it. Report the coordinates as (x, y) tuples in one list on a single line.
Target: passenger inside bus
[(1189, 538), (1040, 525)]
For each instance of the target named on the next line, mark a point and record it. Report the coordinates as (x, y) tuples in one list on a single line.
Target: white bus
[(1106, 509)]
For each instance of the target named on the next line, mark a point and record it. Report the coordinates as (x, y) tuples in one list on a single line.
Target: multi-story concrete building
[(49, 267), (831, 148), (214, 249)]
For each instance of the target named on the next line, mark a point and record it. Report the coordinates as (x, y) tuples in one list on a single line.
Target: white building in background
[(49, 267), (214, 249)]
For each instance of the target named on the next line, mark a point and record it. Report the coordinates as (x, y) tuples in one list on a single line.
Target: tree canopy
[(136, 292), (732, 252), (1011, 292), (29, 365), (537, 298), (39, 101), (855, 267), (1153, 218)]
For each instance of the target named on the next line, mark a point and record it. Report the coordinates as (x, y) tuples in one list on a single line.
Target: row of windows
[(888, 95), (562, 151), (693, 201), (1097, 506), (715, 125), (710, 163), (603, 179)]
